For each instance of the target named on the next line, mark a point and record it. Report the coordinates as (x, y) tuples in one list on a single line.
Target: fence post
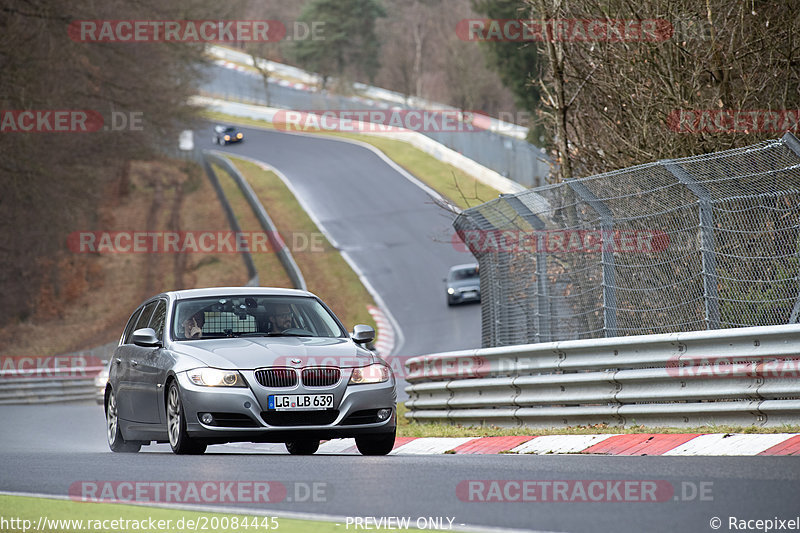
[(607, 256), (543, 314), (709, 261), (793, 144)]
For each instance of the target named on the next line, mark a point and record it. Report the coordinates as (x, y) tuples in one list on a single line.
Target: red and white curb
[(672, 444), (607, 444), (385, 338)]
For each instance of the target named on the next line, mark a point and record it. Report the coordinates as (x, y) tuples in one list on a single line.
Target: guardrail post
[(543, 314), (709, 261), (607, 256)]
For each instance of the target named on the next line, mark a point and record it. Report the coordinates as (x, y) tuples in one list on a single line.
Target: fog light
[(207, 419), (383, 414)]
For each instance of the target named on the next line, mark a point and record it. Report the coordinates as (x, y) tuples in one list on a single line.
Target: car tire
[(380, 444), (179, 440), (450, 302), (302, 447), (116, 441)]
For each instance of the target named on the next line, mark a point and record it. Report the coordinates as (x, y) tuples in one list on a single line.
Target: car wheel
[(179, 440), (115, 439), (375, 444), (302, 447), (450, 301)]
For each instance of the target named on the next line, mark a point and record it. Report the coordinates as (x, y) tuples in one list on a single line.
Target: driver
[(280, 318)]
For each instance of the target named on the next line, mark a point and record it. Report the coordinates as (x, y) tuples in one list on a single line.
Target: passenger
[(193, 326)]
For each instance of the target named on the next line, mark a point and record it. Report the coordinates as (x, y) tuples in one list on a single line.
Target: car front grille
[(321, 377), (277, 377), (300, 418)]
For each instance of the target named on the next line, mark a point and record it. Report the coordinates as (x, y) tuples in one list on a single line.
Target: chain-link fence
[(703, 242)]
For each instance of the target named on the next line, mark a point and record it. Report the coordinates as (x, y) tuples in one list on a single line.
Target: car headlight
[(214, 377), (227, 137), (376, 373), (450, 290), (239, 135)]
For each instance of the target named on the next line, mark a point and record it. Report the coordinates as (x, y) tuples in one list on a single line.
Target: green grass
[(452, 183), (34, 509)]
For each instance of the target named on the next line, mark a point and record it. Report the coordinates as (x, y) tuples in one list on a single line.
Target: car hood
[(258, 352)]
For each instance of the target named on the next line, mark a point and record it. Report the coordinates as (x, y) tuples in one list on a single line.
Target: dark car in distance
[(463, 284), (227, 134)]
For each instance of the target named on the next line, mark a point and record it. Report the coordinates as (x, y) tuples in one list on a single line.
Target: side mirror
[(363, 334), (146, 337)]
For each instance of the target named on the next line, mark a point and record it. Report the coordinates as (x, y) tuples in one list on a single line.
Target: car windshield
[(229, 130), (464, 273), (253, 316)]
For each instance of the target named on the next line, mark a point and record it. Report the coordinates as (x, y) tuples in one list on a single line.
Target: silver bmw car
[(210, 366)]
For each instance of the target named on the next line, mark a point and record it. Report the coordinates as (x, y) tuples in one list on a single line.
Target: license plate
[(299, 402), (470, 294)]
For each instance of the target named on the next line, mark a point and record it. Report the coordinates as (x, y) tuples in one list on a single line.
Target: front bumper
[(465, 296), (350, 404)]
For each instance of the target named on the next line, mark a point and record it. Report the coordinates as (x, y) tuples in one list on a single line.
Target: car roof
[(463, 267), (236, 291)]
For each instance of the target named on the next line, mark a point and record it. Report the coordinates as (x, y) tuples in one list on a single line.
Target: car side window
[(144, 318), (126, 336), (157, 322)]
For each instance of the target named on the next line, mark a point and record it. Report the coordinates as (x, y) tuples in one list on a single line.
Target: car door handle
[(134, 362)]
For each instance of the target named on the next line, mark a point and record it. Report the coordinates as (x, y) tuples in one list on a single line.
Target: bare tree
[(613, 102)]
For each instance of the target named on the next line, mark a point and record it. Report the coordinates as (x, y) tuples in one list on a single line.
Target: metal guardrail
[(742, 377), (31, 383), (282, 251)]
